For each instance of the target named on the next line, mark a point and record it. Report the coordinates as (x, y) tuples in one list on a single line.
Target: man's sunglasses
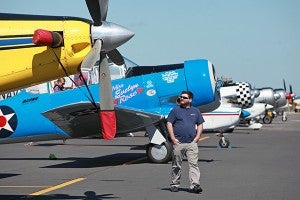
[(182, 97)]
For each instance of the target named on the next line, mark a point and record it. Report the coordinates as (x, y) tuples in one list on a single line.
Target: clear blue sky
[(248, 40)]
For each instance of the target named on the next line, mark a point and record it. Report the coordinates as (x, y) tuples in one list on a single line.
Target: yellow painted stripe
[(56, 187), (135, 161), (204, 138), (24, 186)]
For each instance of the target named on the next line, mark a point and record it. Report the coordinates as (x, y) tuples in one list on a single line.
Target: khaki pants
[(191, 152)]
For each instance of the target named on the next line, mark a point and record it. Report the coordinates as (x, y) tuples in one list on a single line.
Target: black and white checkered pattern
[(243, 94)]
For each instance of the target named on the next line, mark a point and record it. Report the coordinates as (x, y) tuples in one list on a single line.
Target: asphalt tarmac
[(261, 164)]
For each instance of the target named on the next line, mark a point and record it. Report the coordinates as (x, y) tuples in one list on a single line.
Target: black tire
[(224, 143), (159, 153), (267, 120)]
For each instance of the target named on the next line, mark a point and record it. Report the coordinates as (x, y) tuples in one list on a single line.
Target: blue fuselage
[(22, 115)]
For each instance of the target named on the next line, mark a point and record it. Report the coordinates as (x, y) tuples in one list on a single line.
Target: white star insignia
[(7, 117)]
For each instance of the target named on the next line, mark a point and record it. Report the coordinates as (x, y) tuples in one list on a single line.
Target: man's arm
[(198, 133), (171, 133)]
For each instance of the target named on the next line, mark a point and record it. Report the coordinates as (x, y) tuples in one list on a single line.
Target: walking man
[(185, 125)]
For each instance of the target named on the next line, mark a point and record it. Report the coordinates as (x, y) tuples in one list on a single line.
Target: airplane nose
[(112, 35)]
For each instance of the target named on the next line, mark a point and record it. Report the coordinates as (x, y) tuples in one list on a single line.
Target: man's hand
[(175, 141)]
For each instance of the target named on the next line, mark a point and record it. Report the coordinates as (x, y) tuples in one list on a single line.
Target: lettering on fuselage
[(9, 94), (30, 100), (123, 93)]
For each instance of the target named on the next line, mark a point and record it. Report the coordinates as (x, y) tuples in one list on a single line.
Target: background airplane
[(275, 100), (220, 120), (141, 101), (234, 97), (268, 104)]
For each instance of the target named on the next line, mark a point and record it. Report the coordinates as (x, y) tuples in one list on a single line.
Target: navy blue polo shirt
[(184, 121)]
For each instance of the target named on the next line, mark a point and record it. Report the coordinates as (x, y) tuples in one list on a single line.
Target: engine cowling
[(281, 101), (267, 95), (239, 94)]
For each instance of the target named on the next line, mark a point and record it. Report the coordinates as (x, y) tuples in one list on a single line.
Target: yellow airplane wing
[(24, 63)]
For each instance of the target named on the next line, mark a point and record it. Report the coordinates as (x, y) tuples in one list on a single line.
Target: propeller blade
[(291, 89), (116, 57), (105, 83), (91, 58), (103, 9), (107, 112), (95, 12), (284, 86), (98, 10)]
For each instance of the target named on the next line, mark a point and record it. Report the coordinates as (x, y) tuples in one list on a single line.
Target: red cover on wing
[(108, 123), (42, 37)]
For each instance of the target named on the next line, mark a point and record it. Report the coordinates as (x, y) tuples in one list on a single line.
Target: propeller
[(284, 86), (291, 89), (106, 37), (288, 95)]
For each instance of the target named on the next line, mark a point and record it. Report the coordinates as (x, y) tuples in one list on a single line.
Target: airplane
[(289, 95), (276, 100), (293, 100), (217, 117), (234, 97), (251, 115), (223, 119), (141, 101), (49, 47)]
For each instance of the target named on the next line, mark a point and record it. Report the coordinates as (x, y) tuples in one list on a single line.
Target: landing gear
[(269, 116), (223, 142), (159, 153), (284, 117), (159, 149), (267, 119)]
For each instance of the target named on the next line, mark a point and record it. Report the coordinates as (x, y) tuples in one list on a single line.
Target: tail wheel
[(159, 153)]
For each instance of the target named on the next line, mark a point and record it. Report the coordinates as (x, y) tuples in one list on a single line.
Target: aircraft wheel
[(159, 153), (284, 118), (224, 143), (267, 119)]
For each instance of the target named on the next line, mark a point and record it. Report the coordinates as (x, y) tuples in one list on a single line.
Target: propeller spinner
[(106, 37)]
